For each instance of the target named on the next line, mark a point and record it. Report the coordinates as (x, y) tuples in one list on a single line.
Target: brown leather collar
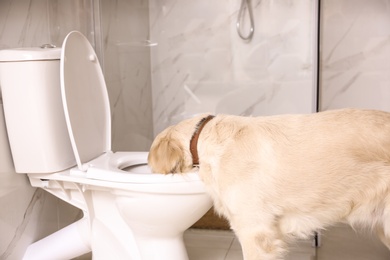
[(195, 137)]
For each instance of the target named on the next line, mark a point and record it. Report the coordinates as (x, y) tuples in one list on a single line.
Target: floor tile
[(223, 245), (234, 255), (236, 244), (341, 242), (337, 243), (206, 253), (208, 239)]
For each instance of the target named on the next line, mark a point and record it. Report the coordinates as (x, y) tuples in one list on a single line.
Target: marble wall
[(199, 63), (355, 57), (126, 55), (28, 214), (27, 23)]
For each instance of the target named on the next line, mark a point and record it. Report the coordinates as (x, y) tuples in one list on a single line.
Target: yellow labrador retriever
[(277, 178)]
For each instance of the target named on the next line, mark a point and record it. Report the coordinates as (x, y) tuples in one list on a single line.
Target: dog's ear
[(166, 156)]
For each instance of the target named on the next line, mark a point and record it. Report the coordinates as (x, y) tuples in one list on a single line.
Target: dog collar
[(195, 137)]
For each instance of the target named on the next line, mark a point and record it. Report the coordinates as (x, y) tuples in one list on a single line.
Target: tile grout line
[(227, 252)]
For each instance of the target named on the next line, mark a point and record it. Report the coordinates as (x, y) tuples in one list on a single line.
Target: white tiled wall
[(355, 58), (126, 49), (199, 63)]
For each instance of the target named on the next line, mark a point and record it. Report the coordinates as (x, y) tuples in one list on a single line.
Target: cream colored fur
[(277, 178)]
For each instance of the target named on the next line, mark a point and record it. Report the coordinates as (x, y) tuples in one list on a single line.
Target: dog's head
[(170, 152)]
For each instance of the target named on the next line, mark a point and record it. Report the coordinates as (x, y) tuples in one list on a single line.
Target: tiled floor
[(223, 245), (337, 243), (343, 243)]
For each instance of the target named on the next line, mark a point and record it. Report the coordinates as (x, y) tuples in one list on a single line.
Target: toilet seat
[(105, 172), (84, 99)]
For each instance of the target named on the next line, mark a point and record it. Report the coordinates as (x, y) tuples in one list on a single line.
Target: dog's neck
[(195, 137)]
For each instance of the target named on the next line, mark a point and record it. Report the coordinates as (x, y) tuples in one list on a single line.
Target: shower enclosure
[(165, 61)]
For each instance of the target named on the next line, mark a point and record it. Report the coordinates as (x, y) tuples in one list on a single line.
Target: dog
[(279, 178)]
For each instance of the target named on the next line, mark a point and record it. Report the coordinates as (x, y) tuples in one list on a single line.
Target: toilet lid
[(85, 99)]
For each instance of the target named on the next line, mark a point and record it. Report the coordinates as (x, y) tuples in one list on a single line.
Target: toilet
[(58, 121)]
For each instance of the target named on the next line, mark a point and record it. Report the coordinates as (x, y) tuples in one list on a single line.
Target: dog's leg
[(261, 243)]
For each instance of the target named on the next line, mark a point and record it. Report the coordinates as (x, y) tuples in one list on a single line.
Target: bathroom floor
[(223, 245), (337, 243)]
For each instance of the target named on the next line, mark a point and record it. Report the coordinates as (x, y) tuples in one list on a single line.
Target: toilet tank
[(36, 126), (6, 165)]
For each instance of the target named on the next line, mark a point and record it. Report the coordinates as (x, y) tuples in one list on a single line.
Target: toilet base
[(119, 223), (73, 241), (164, 248), (67, 243)]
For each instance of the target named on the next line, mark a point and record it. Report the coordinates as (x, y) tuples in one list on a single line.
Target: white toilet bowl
[(129, 212)]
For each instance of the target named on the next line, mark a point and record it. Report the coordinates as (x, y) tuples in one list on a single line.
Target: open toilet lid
[(85, 99)]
